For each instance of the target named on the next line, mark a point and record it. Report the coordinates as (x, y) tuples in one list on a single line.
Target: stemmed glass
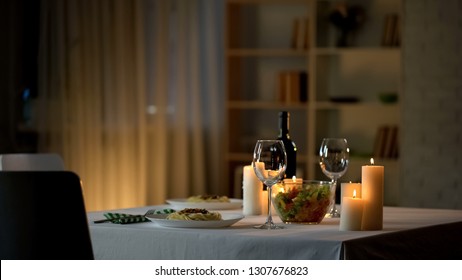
[(333, 159), (269, 163)]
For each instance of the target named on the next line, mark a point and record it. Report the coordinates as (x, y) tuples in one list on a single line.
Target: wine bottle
[(289, 145)]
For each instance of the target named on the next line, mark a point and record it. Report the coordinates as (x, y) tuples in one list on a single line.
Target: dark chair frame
[(43, 216)]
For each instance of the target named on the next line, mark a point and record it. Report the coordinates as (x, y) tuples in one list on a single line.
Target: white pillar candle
[(252, 192), (352, 212), (372, 195), (348, 188), (293, 180), (264, 201)]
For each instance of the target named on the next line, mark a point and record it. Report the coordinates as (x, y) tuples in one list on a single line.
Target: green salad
[(303, 204)]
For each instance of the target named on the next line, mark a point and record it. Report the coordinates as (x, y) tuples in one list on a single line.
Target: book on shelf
[(391, 36), (292, 86), (301, 33), (386, 142)]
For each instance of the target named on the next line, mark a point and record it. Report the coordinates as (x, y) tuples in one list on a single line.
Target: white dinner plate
[(182, 203), (227, 220)]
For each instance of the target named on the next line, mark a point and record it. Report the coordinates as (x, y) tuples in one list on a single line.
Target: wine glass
[(269, 163), (333, 159)]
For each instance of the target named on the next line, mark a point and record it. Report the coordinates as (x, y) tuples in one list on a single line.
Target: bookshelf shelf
[(265, 52), (355, 50)]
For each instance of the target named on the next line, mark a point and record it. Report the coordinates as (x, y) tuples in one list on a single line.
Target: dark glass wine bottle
[(291, 148)]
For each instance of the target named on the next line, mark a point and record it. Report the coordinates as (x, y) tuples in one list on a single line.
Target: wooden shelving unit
[(259, 46)]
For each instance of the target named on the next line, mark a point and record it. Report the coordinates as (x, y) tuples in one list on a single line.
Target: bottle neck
[(284, 125)]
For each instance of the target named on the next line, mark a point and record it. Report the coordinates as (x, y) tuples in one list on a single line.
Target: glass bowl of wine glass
[(305, 202)]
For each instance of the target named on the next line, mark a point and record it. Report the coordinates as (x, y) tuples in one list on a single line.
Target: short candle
[(294, 180), (348, 188), (352, 213)]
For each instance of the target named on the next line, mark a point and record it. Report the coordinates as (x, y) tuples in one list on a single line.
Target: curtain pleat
[(197, 147), (182, 98), (140, 87), (158, 134), (214, 118)]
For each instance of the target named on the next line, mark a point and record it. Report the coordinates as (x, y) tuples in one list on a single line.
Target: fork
[(149, 212)]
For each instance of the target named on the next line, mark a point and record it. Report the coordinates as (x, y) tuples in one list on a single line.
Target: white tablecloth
[(408, 233)]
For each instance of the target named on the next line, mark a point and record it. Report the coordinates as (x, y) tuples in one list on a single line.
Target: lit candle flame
[(294, 179), (372, 161), (354, 193)]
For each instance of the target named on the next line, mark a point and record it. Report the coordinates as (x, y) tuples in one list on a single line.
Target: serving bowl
[(305, 202)]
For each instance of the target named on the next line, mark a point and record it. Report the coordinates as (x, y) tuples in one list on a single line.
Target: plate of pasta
[(206, 201), (195, 218)]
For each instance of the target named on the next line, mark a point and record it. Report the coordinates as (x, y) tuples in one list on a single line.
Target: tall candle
[(264, 201), (252, 192), (372, 195), (352, 212)]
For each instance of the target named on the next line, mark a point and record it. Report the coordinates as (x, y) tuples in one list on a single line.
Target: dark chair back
[(43, 216)]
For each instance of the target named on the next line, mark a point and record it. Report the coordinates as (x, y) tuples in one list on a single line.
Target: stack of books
[(301, 34), (391, 36), (292, 86), (386, 143)]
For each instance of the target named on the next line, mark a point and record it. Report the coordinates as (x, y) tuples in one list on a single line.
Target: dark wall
[(19, 30)]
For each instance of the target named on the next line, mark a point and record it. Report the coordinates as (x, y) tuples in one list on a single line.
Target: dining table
[(408, 233)]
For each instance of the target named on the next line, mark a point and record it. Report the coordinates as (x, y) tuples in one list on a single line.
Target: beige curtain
[(124, 97)]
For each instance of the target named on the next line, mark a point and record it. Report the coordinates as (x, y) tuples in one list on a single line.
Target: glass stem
[(269, 219), (334, 208)]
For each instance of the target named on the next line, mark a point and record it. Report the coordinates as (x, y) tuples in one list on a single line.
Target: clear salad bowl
[(305, 202)]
